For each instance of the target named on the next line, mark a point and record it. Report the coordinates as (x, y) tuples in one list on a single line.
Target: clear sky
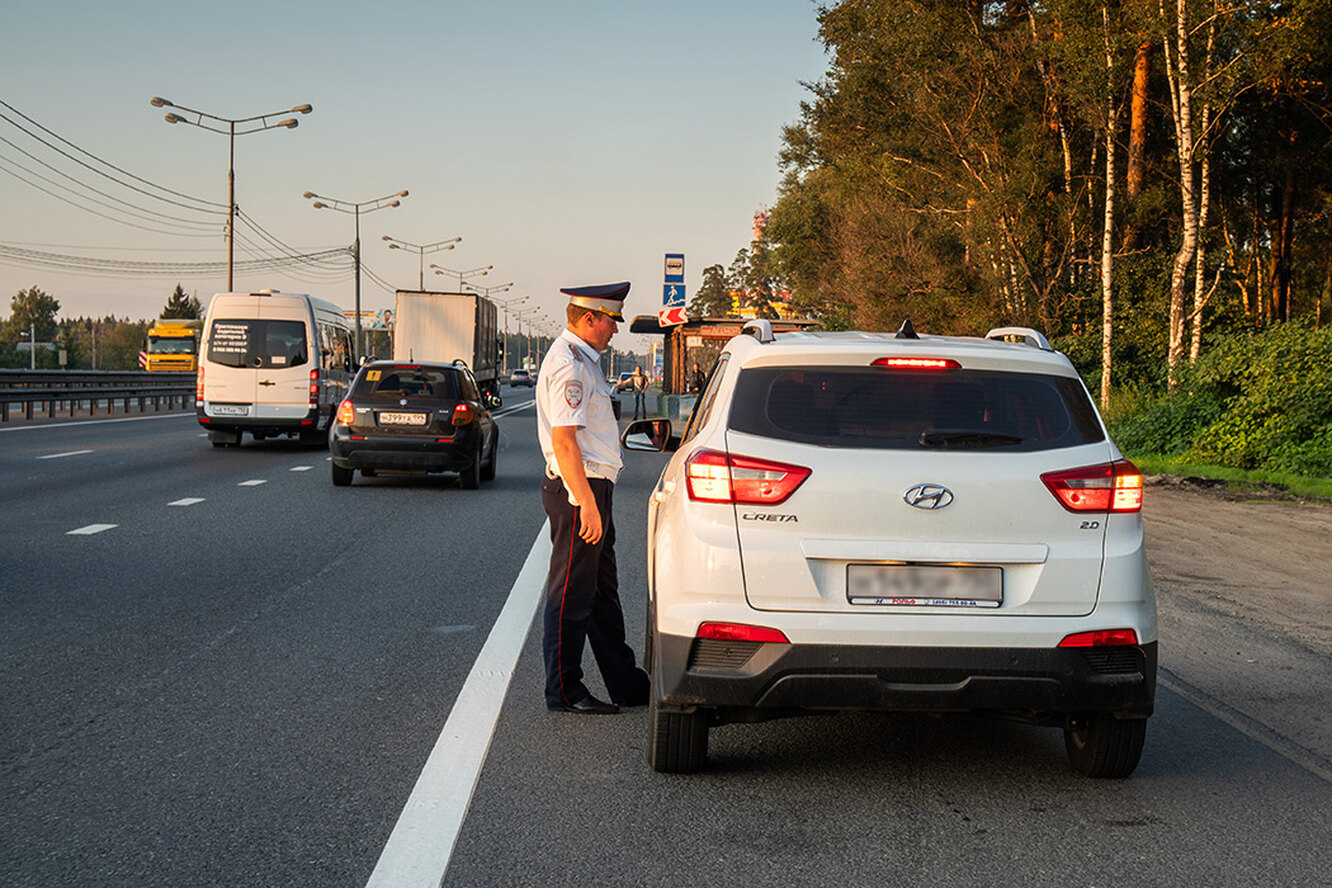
[(567, 143)]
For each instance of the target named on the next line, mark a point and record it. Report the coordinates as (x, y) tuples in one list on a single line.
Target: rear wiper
[(960, 439)]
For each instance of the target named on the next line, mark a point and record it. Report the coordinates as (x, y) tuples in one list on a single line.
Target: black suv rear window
[(914, 409), (406, 381)]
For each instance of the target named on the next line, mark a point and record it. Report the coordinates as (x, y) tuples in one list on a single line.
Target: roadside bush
[(1253, 401)]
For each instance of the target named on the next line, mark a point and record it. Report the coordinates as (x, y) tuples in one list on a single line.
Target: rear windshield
[(403, 381), (914, 409), (256, 343)]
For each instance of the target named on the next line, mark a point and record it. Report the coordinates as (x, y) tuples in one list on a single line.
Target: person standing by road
[(580, 441), (638, 383), (696, 379)]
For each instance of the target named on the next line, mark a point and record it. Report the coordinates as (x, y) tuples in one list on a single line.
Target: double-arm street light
[(258, 123), (471, 272), (504, 306), (354, 208), (421, 249)]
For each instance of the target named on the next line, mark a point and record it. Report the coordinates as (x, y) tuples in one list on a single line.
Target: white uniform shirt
[(571, 391)]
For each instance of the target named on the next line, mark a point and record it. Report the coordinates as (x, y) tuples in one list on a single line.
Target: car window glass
[(698, 417), (911, 409), (249, 342), (389, 382)]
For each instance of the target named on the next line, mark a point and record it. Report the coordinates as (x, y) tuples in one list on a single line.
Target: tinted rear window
[(406, 381), (908, 410), (255, 343)]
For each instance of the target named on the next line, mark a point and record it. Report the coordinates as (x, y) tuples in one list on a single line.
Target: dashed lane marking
[(187, 501), (91, 529), (61, 455), (301, 468), (253, 482)]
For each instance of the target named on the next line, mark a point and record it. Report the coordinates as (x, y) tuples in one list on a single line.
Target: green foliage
[(182, 306), (1255, 401)]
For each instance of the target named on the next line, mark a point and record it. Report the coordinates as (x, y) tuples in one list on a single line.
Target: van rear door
[(229, 379), (281, 352)]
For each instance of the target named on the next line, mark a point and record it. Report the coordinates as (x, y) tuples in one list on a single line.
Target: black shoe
[(589, 705)]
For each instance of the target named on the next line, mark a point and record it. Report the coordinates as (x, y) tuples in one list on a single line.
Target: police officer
[(580, 441)]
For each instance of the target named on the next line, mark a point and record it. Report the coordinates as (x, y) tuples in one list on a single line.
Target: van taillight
[(314, 389), (346, 413), (198, 388), (716, 477), (1109, 487), (463, 414)]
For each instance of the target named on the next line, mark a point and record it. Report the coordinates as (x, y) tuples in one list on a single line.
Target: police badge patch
[(573, 393)]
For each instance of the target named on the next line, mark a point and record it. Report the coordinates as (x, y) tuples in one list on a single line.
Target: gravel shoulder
[(1244, 589)]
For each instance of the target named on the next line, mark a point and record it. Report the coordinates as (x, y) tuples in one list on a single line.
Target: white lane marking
[(91, 529), (187, 501), (301, 468), (515, 408), (421, 844), (253, 482), (86, 422), (59, 455)]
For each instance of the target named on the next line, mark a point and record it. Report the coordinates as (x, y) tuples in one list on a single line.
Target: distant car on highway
[(415, 417), (863, 521), (522, 377)]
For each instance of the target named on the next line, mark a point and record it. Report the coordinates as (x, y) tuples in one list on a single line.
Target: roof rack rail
[(1029, 336), (759, 328)]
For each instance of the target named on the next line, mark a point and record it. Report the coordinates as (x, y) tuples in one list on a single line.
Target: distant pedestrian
[(638, 383), (696, 379)]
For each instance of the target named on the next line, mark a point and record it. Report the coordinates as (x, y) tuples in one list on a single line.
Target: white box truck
[(447, 327)]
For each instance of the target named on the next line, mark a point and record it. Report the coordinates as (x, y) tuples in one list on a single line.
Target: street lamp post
[(354, 208), (471, 272), (421, 249), (504, 305), (261, 122), (527, 315)]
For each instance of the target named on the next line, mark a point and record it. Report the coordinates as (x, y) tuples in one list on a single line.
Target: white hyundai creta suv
[(869, 521)]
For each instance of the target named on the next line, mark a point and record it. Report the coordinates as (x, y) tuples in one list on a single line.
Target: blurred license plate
[(407, 419), (922, 585), (231, 410)]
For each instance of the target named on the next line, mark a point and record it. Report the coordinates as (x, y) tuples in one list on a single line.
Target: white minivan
[(272, 364)]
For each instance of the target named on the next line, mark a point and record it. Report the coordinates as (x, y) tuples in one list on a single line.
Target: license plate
[(231, 410), (924, 585), (404, 419)]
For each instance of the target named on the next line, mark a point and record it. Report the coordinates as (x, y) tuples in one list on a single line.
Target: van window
[(911, 409), (249, 342)]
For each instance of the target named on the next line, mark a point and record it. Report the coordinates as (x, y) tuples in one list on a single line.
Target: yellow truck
[(173, 344)]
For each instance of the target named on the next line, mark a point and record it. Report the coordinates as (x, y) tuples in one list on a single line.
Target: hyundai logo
[(928, 496)]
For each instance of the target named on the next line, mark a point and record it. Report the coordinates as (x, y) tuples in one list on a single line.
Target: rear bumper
[(750, 680), (423, 454), (271, 425)]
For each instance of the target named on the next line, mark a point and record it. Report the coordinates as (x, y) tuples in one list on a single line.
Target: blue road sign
[(673, 294), (675, 268)]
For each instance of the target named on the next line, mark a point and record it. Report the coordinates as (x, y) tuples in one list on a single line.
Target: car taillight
[(1100, 638), (1110, 487), (716, 477), (917, 363), (198, 387), (463, 414), (346, 413), (740, 632)]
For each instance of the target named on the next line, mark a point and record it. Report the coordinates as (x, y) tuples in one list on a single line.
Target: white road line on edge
[(421, 845)]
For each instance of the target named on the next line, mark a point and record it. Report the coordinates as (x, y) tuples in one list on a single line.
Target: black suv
[(415, 417)]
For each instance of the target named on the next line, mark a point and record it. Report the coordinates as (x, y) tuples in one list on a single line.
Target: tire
[(470, 477), (1104, 746), (341, 477), (677, 741), (488, 470)]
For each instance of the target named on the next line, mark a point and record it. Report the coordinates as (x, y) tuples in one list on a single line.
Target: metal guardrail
[(72, 392)]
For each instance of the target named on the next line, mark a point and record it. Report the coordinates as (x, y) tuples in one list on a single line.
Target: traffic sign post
[(673, 292)]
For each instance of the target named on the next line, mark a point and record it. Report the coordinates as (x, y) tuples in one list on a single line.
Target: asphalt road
[(241, 690)]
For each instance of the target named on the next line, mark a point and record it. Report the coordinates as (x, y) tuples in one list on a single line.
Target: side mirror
[(649, 436)]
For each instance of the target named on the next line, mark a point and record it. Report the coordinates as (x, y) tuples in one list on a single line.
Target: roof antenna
[(906, 331)]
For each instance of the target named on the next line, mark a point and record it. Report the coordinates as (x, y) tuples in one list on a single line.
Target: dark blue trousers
[(583, 605)]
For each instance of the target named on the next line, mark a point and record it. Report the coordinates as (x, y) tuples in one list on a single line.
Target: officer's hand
[(589, 530)]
